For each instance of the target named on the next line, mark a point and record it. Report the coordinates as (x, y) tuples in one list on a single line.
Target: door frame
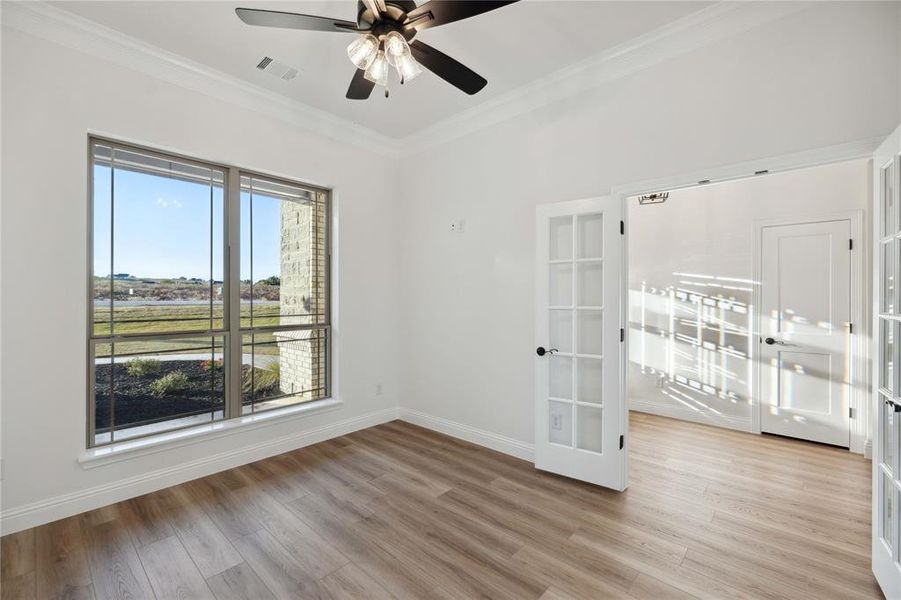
[(859, 420), (622, 316)]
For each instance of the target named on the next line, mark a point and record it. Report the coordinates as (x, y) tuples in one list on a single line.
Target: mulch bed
[(136, 404)]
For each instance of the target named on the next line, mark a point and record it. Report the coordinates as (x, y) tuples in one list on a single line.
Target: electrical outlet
[(556, 422), (458, 226)]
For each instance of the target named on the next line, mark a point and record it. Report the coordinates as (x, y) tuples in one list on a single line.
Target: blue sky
[(162, 228)]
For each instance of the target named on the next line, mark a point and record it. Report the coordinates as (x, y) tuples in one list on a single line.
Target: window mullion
[(232, 313)]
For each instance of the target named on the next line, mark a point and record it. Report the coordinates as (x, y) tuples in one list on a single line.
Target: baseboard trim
[(500, 443), (66, 505), (685, 414)]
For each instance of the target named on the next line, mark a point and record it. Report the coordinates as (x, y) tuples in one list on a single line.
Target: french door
[(886, 463), (580, 408)]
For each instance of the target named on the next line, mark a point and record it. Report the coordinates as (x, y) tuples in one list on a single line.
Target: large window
[(209, 293)]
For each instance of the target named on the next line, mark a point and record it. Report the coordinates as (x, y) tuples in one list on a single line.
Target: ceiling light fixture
[(375, 55), (363, 50), (377, 71), (385, 34)]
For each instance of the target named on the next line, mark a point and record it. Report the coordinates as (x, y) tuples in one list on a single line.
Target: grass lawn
[(176, 318)]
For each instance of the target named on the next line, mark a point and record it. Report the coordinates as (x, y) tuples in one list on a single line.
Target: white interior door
[(580, 409), (886, 392), (805, 313)]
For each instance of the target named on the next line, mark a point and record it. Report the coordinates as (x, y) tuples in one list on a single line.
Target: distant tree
[(272, 280)]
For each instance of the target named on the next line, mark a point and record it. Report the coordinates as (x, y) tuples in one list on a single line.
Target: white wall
[(707, 231), (823, 76), (52, 97)]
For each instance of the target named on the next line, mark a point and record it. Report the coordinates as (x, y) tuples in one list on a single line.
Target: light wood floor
[(399, 511)]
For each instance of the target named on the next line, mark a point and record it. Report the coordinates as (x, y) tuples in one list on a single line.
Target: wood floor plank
[(116, 570), (398, 511), (171, 571), (350, 582), (19, 587), (61, 567), (239, 583), (144, 517), (207, 546), (277, 567), (17, 552), (646, 587)]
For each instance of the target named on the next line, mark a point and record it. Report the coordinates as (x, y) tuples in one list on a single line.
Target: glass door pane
[(888, 434), (887, 255), (888, 200), (887, 341)]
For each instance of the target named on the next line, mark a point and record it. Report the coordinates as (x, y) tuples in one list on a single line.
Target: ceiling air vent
[(277, 69)]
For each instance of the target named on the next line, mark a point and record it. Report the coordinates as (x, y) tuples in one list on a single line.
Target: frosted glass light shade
[(363, 50), (407, 68), (377, 71), (396, 45)]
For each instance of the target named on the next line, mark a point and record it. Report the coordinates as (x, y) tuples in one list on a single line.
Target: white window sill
[(96, 457)]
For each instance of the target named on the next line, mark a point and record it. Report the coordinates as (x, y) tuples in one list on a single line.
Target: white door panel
[(886, 485), (580, 412), (805, 319)]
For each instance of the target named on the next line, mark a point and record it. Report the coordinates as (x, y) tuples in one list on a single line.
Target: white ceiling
[(511, 47)]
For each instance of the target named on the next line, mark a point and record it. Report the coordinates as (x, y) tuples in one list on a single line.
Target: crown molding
[(812, 157), (77, 33), (696, 30)]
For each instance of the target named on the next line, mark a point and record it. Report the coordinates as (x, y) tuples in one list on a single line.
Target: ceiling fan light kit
[(386, 29), (362, 51), (377, 71)]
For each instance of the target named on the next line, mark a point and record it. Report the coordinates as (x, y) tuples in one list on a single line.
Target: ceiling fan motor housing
[(391, 20)]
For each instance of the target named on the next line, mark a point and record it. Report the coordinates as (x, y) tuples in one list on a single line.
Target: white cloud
[(164, 203)]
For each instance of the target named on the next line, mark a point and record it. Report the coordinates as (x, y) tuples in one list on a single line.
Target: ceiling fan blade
[(274, 18), (376, 7), (448, 69), (441, 12), (360, 87)]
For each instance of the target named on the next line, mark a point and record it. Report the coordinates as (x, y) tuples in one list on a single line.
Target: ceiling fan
[(385, 30)]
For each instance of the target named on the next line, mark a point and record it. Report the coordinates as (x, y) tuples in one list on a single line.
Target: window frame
[(231, 332)]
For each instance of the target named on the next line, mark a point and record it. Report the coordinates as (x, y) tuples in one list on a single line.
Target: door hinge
[(622, 228), (851, 244), (851, 328), (850, 413), (621, 442), (622, 334)]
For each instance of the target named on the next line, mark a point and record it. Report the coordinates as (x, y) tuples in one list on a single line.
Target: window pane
[(144, 387), (284, 254), (591, 236), (888, 277), (888, 493), (283, 368), (888, 201), (886, 370), (561, 238), (165, 272), (102, 247), (888, 434), (590, 428), (560, 423)]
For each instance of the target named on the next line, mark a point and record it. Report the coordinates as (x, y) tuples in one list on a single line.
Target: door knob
[(540, 351), (772, 341)]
